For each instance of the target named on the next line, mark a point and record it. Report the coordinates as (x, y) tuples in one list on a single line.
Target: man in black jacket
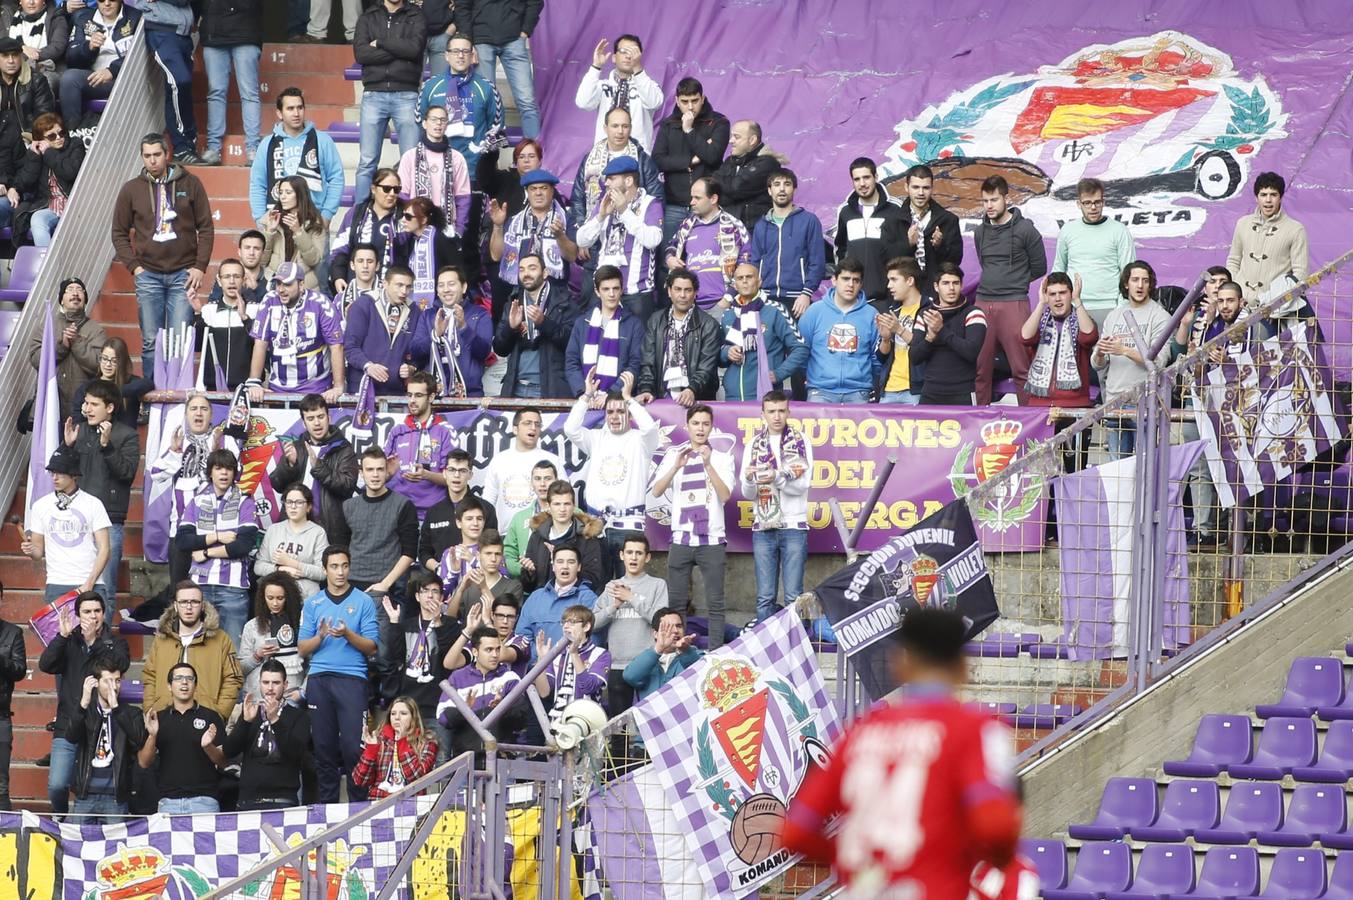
[(947, 339), (414, 644), (13, 668), (501, 29), (110, 454), (690, 144), (271, 738), (106, 22), (388, 44), (82, 638), (535, 332), (933, 233), (106, 735), (24, 95), (323, 460), (562, 524), (746, 173), (439, 529), (870, 227), (681, 349), (439, 15)]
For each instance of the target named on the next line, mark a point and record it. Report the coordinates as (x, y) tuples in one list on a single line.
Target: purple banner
[(1177, 107)]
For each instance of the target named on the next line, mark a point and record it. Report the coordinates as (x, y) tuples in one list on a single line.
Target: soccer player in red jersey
[(924, 789)]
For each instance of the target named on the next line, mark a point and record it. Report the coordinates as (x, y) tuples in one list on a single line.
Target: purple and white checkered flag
[(731, 740)]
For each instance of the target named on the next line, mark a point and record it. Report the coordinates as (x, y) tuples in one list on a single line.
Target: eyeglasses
[(108, 359), (188, 602), (1093, 204), (183, 679), (506, 617), (457, 470), (300, 502), (458, 51), (388, 188), (54, 135), (408, 217), (435, 120)]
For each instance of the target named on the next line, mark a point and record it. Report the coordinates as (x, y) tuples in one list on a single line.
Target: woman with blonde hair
[(400, 753)]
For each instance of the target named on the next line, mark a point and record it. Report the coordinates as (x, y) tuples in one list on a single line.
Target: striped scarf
[(422, 178), (445, 356), (692, 488), (219, 514), (602, 348), (675, 376), (1055, 360), (745, 332)]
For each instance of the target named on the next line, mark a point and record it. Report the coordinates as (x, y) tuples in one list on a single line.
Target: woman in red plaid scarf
[(401, 753)]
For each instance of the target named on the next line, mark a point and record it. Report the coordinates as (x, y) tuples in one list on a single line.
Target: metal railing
[(81, 247)]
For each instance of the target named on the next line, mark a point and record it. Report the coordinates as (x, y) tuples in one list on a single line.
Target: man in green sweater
[(1096, 248), (543, 474)]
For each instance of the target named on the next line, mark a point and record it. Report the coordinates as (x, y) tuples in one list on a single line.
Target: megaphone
[(581, 720)]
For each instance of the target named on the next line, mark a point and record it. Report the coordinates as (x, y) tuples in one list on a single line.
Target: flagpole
[(47, 423)]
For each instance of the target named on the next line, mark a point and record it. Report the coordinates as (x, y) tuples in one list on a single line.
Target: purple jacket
[(428, 447), (589, 683), (477, 689), (476, 340), (367, 339)]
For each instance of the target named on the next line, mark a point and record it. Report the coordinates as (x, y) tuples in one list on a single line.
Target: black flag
[(938, 562)]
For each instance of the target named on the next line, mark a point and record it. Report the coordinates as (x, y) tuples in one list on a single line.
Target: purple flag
[(46, 418), (1095, 526), (173, 372)]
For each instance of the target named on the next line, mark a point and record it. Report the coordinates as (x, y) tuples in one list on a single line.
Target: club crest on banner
[(144, 873), (1012, 502), (1158, 118)]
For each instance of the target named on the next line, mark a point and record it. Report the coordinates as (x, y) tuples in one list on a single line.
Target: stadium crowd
[(678, 266)]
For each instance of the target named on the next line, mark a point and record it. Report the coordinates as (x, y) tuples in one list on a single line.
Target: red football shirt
[(1018, 880), (924, 790)]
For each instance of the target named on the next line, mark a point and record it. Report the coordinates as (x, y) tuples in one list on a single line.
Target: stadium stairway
[(1229, 773)]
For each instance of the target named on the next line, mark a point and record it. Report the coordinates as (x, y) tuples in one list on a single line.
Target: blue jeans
[(232, 604), (174, 57), (161, 302), (60, 774), (817, 395), (779, 555), (42, 226), (96, 805), (516, 58), (75, 90), (379, 108), (6, 211), (181, 806), (904, 398), (1120, 436), (218, 62), (107, 586), (434, 57), (298, 16)]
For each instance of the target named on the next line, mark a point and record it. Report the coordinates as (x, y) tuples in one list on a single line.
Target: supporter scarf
[(265, 744), (351, 292), (367, 230), (613, 241), (363, 422), (463, 108), (196, 449), (593, 164), (164, 208), (419, 665), (57, 197), (394, 316), (542, 301), (622, 94), (921, 222), (526, 234), (1055, 360), (32, 32), (603, 347), (103, 743), (307, 167), (219, 516), (675, 376), (241, 407), (63, 501), (745, 332), (423, 262), (767, 513), (422, 178), (446, 356), (692, 486)]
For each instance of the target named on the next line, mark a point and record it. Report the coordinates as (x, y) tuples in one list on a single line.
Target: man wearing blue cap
[(539, 229), (624, 232)]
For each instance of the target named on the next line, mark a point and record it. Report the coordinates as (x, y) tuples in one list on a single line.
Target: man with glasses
[(626, 85), (378, 337), (418, 448), (474, 108), (78, 342), (438, 171), (439, 529), (1096, 249), (508, 482), (388, 44), (190, 631), (187, 738)]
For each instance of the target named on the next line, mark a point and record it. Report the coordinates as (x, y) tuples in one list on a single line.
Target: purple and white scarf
[(542, 301), (422, 179), (745, 332), (526, 234), (1055, 360), (368, 229), (165, 214), (445, 356), (692, 495), (602, 348), (730, 242), (593, 165), (418, 666)]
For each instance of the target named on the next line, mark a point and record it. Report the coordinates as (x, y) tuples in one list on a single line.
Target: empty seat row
[(1104, 870), (1035, 715), (1192, 809), (1287, 746), (1315, 686)]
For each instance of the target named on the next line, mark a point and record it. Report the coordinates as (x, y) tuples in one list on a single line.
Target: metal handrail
[(82, 246)]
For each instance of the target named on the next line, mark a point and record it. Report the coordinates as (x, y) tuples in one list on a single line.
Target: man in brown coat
[(78, 342)]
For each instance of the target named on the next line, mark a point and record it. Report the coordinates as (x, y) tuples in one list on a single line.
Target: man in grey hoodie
[(627, 605), (1013, 257)]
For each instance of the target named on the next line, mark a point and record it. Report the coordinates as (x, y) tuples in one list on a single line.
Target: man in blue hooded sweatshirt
[(845, 348)]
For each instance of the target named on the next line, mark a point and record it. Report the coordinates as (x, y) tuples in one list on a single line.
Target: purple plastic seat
[(27, 261), (1284, 744), (1250, 809), (1221, 740), (1312, 682), (131, 692), (1296, 875), (1163, 869), (1049, 858), (1313, 810), (97, 105), (1042, 715), (132, 626), (1335, 763), (1125, 802), (1341, 879), (1228, 872), (353, 72), (1186, 807), (1100, 867), (1338, 711), (1049, 650), (993, 707)]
